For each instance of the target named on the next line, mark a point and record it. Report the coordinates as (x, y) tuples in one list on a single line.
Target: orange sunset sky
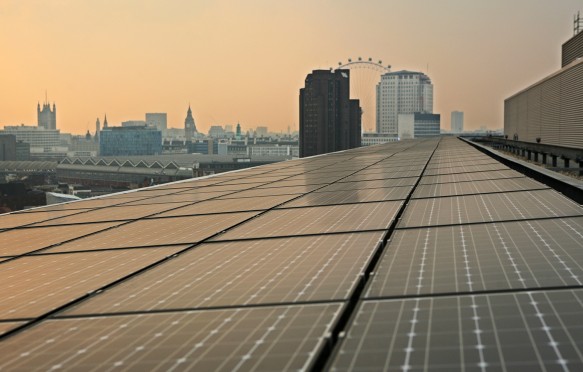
[(246, 60)]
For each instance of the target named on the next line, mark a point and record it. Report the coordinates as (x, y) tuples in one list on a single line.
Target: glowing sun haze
[(246, 60)]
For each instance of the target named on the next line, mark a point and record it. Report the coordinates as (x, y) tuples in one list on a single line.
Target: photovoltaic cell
[(477, 187), (317, 220), (184, 197), (112, 214), (229, 205), (65, 277), (372, 184), (273, 191), (287, 270), (7, 326), (466, 169), (379, 176), (271, 338), (290, 183), (158, 231), (350, 196), (20, 241), (470, 177), (482, 257), (8, 221), (527, 331), (488, 207), (81, 204)]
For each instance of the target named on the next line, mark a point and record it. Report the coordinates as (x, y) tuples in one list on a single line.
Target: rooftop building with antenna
[(573, 48), (549, 112)]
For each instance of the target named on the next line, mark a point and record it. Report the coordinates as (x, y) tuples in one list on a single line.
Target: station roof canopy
[(421, 254)]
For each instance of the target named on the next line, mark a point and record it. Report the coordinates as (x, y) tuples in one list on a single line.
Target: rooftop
[(398, 256)]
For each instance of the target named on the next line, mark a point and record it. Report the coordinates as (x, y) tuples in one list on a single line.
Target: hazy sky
[(246, 60)]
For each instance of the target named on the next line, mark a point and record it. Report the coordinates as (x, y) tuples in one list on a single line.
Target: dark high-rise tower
[(46, 118), (329, 119), (189, 125)]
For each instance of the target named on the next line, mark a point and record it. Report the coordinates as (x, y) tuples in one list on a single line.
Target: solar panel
[(477, 187), (372, 184), (158, 231), (350, 196), (189, 197), (65, 277), (488, 207), (81, 204), (112, 214), (466, 169), (7, 326), (515, 331), (289, 183), (483, 270), (272, 191), (317, 220), (286, 270), (482, 257), (269, 338), (19, 241), (469, 177), (229, 205), (380, 176), (8, 221)]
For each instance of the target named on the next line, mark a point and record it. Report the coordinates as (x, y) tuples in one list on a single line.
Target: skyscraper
[(46, 118), (189, 125), (329, 119), (158, 120), (402, 92), (457, 122)]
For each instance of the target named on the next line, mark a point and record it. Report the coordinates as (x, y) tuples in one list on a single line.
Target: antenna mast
[(577, 23)]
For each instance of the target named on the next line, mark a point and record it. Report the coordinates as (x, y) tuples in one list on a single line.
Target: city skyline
[(245, 63)]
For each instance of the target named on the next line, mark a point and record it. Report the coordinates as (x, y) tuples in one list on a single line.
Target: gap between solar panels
[(90, 294), (349, 312)]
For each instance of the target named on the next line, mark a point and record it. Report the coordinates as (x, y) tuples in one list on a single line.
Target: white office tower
[(402, 92), (457, 122)]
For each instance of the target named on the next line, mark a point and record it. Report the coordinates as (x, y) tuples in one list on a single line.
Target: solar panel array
[(423, 254)]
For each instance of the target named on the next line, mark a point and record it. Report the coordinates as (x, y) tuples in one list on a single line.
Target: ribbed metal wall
[(551, 110), (572, 49)]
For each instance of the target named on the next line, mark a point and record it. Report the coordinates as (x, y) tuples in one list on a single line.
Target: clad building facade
[(329, 120), (457, 122), (401, 92), (551, 110)]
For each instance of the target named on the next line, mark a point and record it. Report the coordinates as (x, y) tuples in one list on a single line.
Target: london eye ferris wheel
[(365, 74)]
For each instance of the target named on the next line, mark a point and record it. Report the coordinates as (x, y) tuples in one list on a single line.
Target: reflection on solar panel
[(283, 270), (65, 277), (8, 221), (317, 220), (415, 255), (20, 241), (159, 231), (272, 338)]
